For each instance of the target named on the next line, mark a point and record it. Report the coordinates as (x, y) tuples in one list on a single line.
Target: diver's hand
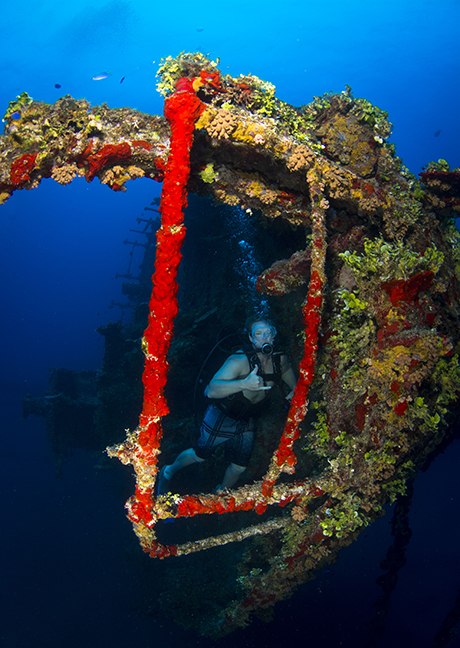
[(253, 382)]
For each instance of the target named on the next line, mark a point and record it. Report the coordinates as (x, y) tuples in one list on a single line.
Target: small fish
[(100, 77), (57, 85), (438, 133), (200, 29), (122, 79)]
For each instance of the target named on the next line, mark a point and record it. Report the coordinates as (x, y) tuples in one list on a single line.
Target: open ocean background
[(66, 576)]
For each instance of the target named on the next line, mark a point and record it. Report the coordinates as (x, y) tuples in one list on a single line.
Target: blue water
[(66, 578)]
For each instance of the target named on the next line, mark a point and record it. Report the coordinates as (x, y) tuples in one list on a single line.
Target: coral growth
[(222, 124), (443, 187), (347, 141), (285, 275), (65, 174), (300, 158), (106, 155), (22, 168)]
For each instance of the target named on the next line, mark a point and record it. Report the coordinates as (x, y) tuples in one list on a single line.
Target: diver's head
[(262, 333)]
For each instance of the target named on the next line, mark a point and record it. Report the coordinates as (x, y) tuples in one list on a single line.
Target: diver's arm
[(228, 381)]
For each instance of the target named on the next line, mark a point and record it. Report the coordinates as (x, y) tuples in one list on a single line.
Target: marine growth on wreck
[(374, 289)]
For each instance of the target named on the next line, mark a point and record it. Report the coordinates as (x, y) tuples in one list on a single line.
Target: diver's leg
[(185, 458), (238, 451), (231, 476)]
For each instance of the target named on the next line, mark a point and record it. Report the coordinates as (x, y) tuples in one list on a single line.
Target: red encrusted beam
[(243, 499), (182, 109), (284, 459)]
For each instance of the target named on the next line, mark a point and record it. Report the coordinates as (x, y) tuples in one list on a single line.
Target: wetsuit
[(231, 420)]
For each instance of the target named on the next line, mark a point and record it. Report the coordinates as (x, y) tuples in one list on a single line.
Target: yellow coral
[(347, 141), (249, 132), (280, 147), (407, 365), (205, 118), (254, 189)]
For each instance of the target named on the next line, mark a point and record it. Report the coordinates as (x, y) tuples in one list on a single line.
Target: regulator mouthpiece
[(266, 349)]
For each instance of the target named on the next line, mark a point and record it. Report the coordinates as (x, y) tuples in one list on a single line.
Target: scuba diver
[(237, 394)]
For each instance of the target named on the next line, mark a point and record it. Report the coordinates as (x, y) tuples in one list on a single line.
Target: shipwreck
[(373, 293)]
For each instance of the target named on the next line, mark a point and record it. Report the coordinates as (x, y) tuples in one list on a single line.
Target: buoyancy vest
[(240, 408)]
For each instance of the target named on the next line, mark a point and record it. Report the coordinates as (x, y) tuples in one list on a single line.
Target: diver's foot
[(163, 482), (218, 489)]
